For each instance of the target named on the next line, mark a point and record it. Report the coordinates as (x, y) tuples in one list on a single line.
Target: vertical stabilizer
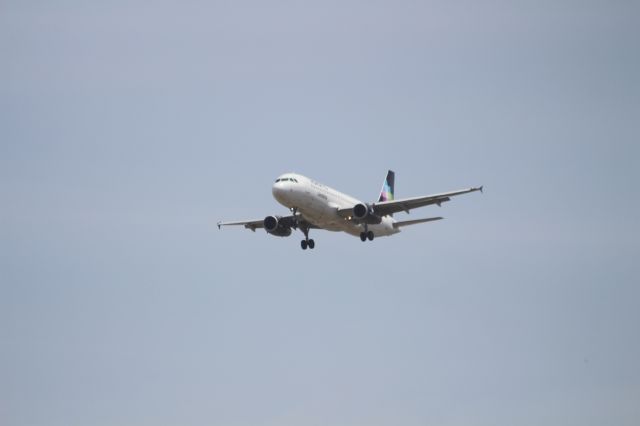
[(386, 193)]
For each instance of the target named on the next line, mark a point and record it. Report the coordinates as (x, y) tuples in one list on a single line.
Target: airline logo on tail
[(386, 193)]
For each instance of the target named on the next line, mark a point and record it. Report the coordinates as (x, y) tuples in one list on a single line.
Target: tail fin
[(386, 193)]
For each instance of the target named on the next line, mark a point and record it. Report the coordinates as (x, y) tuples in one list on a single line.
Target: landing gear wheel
[(363, 236), (306, 242), (370, 235)]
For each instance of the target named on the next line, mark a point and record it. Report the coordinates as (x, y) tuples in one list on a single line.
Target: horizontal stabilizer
[(416, 221)]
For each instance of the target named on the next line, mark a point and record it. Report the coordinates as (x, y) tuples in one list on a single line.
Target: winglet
[(481, 186), (219, 225)]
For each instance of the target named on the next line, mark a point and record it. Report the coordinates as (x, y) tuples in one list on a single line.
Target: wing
[(249, 224), (292, 221), (384, 208)]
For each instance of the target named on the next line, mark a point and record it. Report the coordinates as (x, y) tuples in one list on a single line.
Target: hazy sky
[(129, 128)]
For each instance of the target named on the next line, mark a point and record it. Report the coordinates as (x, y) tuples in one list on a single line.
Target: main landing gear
[(307, 242), (366, 235)]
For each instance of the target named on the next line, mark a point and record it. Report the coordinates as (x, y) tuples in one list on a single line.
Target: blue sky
[(128, 129)]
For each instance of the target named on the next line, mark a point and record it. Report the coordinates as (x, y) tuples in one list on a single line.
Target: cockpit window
[(287, 179)]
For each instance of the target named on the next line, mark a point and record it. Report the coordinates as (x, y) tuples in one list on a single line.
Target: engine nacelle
[(274, 226), (364, 213), (360, 211)]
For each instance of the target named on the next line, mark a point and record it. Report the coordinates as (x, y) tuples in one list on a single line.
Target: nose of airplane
[(280, 193), (277, 189)]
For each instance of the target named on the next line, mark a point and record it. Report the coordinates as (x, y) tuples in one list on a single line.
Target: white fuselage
[(319, 205)]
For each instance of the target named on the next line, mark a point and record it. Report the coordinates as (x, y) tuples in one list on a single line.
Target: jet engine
[(364, 213), (274, 226)]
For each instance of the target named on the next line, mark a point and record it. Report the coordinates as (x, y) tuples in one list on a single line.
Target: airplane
[(317, 206)]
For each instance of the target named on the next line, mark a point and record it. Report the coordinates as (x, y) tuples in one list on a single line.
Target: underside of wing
[(415, 221)]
